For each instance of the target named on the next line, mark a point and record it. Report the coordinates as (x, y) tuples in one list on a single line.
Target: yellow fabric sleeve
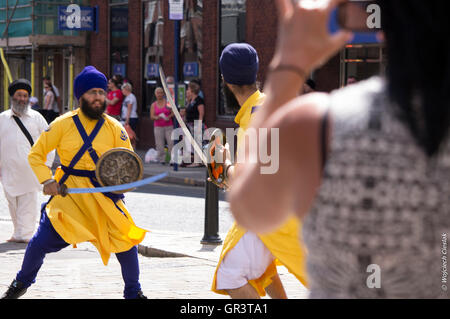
[(46, 143)]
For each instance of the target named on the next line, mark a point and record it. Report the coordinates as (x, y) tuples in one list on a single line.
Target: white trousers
[(24, 211), (248, 260)]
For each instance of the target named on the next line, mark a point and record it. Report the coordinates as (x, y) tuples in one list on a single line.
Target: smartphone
[(359, 16)]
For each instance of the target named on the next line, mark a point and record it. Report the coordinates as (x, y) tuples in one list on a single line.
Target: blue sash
[(87, 147)]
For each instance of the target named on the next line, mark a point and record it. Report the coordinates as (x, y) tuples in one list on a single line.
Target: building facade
[(34, 47), (135, 37)]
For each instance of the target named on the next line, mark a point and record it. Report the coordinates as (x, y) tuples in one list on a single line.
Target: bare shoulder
[(301, 113)]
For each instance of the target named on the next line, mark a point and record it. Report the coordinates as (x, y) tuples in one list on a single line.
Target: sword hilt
[(63, 190)]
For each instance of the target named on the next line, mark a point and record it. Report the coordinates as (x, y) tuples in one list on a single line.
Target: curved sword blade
[(186, 131), (117, 188)]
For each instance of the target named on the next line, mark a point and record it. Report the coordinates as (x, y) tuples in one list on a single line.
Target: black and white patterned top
[(382, 202)]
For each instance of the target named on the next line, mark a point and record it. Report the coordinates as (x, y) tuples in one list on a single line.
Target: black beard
[(90, 112), (230, 100)]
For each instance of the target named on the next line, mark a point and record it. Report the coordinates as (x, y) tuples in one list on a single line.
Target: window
[(119, 36), (232, 29), (359, 62)]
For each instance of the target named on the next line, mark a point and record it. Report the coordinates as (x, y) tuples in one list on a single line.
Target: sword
[(108, 189), (187, 133)]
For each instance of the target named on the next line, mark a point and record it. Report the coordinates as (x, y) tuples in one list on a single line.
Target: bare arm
[(152, 113), (261, 202), (201, 112)]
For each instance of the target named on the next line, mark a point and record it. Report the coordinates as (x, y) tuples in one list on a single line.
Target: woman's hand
[(303, 37)]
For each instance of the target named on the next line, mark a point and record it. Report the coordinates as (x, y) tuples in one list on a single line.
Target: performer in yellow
[(80, 138), (247, 265)]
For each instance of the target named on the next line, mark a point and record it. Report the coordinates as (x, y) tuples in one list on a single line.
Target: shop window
[(232, 19), (119, 37), (153, 49), (360, 62)]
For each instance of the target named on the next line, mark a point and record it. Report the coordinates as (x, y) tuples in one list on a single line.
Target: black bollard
[(211, 234)]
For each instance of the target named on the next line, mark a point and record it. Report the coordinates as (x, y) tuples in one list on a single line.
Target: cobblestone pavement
[(80, 274)]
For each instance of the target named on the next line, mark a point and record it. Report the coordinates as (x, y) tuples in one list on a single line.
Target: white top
[(16, 174), (130, 99)]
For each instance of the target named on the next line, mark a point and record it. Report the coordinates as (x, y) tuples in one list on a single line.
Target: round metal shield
[(119, 166)]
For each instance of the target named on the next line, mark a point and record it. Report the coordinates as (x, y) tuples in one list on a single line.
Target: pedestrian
[(129, 110), (247, 265), (366, 167), (50, 103), (162, 115), (114, 99), (34, 103), (80, 138), (57, 104), (20, 126), (195, 115)]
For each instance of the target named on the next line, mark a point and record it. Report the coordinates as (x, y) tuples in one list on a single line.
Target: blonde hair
[(127, 86)]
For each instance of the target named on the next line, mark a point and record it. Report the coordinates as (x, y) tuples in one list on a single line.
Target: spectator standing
[(57, 105), (129, 111), (20, 184), (194, 111), (161, 114), (50, 103), (114, 99)]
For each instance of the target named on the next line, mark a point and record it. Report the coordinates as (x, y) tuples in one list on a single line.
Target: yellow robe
[(85, 217), (284, 244)]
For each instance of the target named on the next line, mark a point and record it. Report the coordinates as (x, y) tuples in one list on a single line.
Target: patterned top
[(379, 227)]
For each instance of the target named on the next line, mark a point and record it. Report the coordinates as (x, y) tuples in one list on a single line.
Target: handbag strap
[(24, 130)]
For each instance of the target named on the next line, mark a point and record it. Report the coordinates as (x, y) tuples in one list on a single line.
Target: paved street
[(176, 226)]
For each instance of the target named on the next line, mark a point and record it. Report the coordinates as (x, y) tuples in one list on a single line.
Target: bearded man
[(20, 185), (80, 138)]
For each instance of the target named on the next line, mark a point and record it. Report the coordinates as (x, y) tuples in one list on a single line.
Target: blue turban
[(88, 79), (239, 64)]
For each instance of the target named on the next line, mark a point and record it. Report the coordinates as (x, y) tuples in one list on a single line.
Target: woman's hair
[(127, 86), (417, 36), (116, 82), (195, 87)]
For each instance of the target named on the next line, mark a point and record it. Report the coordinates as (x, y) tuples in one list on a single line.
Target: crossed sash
[(87, 147)]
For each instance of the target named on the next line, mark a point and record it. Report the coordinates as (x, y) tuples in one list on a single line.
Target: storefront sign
[(76, 18), (152, 70), (176, 9), (359, 37), (190, 69), (120, 68), (119, 19)]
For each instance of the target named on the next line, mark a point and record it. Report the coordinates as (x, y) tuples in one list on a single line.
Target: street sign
[(176, 9), (359, 37), (119, 68), (76, 18), (152, 70), (190, 69)]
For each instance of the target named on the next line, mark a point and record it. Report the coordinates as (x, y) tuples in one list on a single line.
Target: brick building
[(135, 36)]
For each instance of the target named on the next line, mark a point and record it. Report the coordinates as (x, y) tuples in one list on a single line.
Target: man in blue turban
[(99, 218), (247, 265)]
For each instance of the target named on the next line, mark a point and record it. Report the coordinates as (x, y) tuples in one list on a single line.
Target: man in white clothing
[(20, 184)]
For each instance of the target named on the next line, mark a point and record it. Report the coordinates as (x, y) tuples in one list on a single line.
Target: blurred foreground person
[(367, 167)]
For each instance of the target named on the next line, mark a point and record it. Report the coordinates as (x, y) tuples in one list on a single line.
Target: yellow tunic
[(85, 217), (284, 244)]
